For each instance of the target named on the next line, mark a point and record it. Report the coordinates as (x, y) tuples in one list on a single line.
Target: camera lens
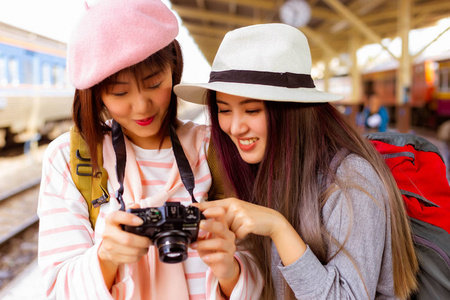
[(172, 246)]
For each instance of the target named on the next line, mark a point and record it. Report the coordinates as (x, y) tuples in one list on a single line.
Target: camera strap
[(118, 142), (187, 177), (186, 174)]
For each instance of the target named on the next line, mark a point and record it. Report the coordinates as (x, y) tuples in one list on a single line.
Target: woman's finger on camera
[(214, 212), (130, 240), (224, 203), (123, 218), (132, 206), (120, 253), (217, 228)]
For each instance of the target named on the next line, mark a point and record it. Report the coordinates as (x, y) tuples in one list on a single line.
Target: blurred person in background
[(374, 116)]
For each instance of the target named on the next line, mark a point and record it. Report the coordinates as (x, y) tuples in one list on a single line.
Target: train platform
[(20, 170), (28, 286)]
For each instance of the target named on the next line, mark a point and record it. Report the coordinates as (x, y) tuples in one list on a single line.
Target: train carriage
[(35, 96), (428, 97)]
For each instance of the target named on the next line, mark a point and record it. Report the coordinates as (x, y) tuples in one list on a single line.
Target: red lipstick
[(145, 122)]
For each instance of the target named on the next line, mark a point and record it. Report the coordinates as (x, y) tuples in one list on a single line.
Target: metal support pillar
[(403, 88), (355, 101)]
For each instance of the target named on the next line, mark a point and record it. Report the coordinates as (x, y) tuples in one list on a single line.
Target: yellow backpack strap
[(93, 187), (220, 187)]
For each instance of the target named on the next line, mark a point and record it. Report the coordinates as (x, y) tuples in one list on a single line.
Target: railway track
[(19, 190), (18, 230), (18, 210)]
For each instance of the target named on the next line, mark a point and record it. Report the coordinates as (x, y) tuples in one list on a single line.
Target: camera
[(171, 228)]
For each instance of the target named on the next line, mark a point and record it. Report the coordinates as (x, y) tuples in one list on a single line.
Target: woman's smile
[(247, 144), (145, 122)]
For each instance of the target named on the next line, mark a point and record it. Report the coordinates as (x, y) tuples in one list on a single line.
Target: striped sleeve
[(248, 287), (67, 254)]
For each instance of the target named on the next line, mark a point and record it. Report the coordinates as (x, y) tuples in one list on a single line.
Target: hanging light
[(296, 13)]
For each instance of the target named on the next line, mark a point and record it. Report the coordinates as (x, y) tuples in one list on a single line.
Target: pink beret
[(115, 34)]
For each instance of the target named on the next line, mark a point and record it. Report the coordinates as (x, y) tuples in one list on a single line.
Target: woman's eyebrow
[(240, 103), (221, 102), (250, 101), (114, 82), (152, 75)]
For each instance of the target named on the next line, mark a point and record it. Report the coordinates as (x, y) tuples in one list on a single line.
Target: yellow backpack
[(93, 187)]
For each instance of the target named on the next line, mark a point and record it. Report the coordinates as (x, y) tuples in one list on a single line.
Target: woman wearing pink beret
[(320, 211), (123, 60)]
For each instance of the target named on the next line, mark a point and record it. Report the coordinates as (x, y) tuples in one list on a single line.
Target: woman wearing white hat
[(322, 215)]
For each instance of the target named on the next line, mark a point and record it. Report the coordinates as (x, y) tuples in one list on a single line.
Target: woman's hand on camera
[(119, 246), (216, 247), (244, 217)]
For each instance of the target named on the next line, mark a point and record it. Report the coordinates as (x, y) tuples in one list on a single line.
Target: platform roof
[(330, 30)]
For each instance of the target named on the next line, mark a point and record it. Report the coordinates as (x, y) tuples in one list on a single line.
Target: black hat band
[(280, 79)]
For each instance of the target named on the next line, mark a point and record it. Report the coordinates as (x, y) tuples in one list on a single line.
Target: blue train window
[(58, 76), (13, 71), (28, 70), (3, 76), (46, 75)]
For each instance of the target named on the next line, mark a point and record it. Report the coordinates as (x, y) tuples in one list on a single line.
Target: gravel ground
[(18, 254)]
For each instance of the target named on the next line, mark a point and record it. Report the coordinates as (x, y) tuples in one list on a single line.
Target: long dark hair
[(89, 113), (303, 139)]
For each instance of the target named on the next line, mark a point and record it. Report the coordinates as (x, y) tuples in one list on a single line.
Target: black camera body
[(171, 228)]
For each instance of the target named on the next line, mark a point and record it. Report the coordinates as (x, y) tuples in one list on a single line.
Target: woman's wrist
[(227, 285), (279, 227), (107, 266), (288, 242)]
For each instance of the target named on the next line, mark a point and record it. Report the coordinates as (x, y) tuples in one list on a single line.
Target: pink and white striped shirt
[(68, 245)]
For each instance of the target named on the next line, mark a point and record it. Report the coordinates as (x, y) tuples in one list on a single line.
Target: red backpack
[(420, 173)]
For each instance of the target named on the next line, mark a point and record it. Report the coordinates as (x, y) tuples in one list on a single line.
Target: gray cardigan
[(369, 243)]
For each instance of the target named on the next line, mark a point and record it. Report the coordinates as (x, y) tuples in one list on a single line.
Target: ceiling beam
[(419, 9), (430, 6), (357, 23), (361, 9), (318, 40), (208, 15), (205, 30), (434, 40), (325, 14), (207, 39), (201, 4), (259, 4), (224, 18), (380, 16)]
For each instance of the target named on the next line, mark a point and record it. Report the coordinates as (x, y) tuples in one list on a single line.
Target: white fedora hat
[(267, 62)]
